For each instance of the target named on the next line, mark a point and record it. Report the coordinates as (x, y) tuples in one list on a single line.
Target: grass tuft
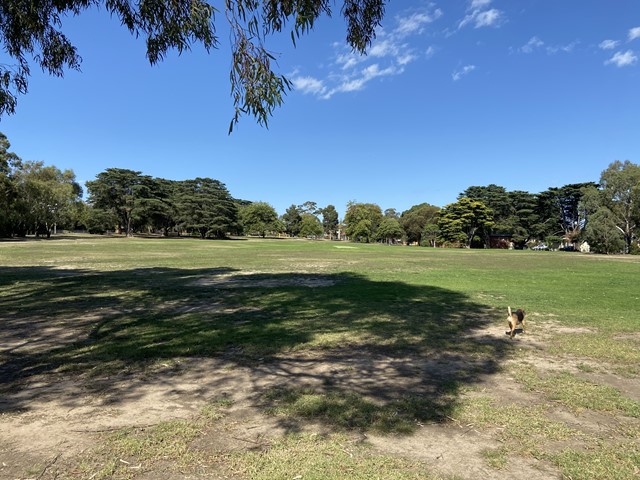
[(333, 457), (577, 394), (350, 411), (598, 346), (619, 461)]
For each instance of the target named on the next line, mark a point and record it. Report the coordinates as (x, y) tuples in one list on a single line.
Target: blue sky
[(524, 94)]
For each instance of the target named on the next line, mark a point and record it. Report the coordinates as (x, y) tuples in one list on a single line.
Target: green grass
[(316, 457), (132, 301), (615, 351), (522, 430), (127, 452), (620, 461), (350, 411), (577, 394), (94, 306)]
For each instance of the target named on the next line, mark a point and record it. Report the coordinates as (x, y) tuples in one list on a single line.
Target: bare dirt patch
[(49, 420)]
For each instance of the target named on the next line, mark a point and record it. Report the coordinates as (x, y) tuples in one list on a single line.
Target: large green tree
[(430, 235), (621, 194), (291, 220), (414, 220), (524, 223), (362, 221), (310, 226), (10, 163), (205, 206), (602, 233), (389, 230), (459, 222), (497, 199), (330, 220), (121, 192), (158, 210), (46, 196), (560, 213), (30, 32), (259, 218)]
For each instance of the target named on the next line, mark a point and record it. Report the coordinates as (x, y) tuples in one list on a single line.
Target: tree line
[(38, 199)]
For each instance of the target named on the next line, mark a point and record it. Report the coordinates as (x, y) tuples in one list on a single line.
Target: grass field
[(326, 342)]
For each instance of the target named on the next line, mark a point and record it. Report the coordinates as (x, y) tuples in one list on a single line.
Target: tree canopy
[(310, 226), (204, 205), (259, 218), (362, 221), (330, 220), (31, 33), (414, 220), (459, 222), (621, 194), (119, 191)]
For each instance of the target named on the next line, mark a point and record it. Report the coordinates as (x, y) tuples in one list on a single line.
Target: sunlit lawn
[(90, 305)]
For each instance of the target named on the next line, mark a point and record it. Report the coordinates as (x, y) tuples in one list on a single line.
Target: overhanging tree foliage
[(31, 32)]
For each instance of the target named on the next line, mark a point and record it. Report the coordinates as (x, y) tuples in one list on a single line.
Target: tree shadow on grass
[(340, 349)]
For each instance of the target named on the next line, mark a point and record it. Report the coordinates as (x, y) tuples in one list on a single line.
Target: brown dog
[(514, 319)]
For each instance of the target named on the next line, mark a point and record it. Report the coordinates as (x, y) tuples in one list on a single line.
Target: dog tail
[(509, 308)]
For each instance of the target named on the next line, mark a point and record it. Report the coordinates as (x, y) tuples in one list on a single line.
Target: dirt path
[(59, 416)]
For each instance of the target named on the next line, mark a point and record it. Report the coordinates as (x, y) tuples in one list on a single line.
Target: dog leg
[(512, 327), (524, 326)]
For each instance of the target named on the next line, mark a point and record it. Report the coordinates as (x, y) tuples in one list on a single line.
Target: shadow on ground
[(339, 349)]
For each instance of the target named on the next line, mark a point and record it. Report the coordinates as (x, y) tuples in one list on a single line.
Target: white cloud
[(389, 55), (634, 33), (360, 79), (488, 18), (349, 59), (430, 51), (480, 16), (535, 43), (551, 49), (478, 4), (531, 45), (405, 59), (384, 48), (621, 59), (415, 22), (308, 85), (348, 86), (466, 70), (608, 44), (373, 71)]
